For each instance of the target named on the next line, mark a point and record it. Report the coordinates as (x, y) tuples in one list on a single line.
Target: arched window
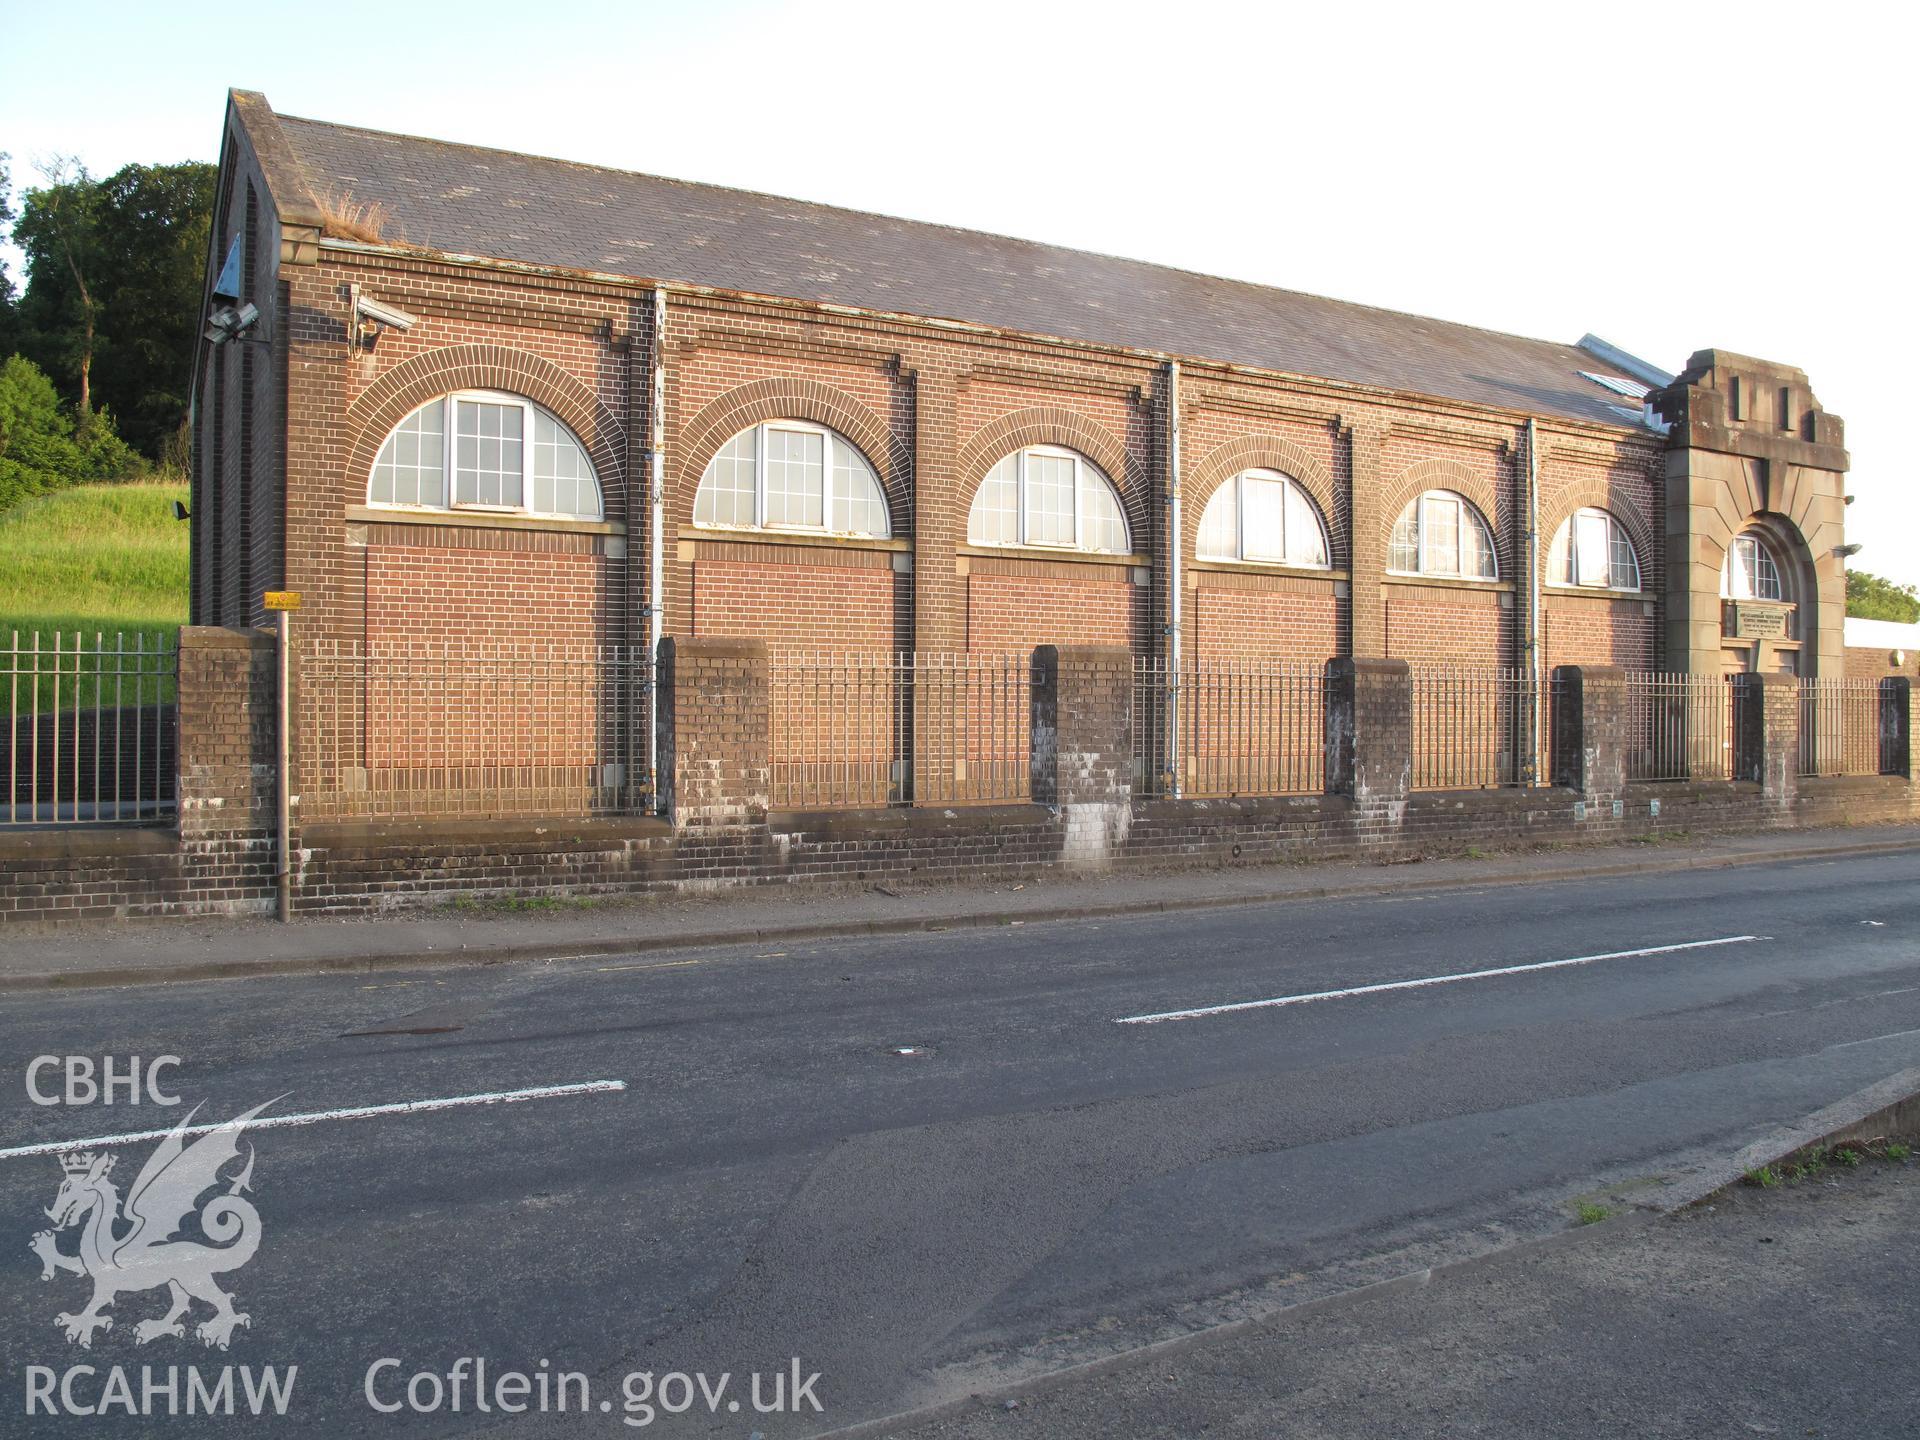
[(1266, 516), (483, 450), (1751, 572), (1047, 496), (1440, 533), (792, 475), (1591, 548)]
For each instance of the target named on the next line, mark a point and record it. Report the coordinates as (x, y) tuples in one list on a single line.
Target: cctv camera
[(382, 314)]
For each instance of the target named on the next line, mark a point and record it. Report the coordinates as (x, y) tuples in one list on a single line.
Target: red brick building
[(492, 403)]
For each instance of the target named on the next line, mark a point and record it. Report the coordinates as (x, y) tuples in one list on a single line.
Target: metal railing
[(1246, 728), (1477, 729), (905, 728), (1840, 730), (90, 733), (425, 729), (1679, 726)]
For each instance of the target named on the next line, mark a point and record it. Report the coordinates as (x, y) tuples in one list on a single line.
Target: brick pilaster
[(939, 518), (1589, 730), (1366, 542), (715, 731)]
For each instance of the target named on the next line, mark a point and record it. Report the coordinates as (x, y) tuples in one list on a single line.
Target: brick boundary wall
[(219, 858)]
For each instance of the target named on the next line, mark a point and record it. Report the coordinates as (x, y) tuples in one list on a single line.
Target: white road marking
[(359, 1112), (1891, 1035), (1202, 1011)]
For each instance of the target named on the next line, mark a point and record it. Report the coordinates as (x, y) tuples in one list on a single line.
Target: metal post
[(283, 769)]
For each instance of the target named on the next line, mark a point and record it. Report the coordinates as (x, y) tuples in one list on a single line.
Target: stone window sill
[(1447, 582), (480, 520), (719, 535)]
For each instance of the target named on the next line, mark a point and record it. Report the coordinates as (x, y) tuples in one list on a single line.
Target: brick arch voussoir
[(784, 399), (1265, 452), (1595, 493), (406, 387), (1069, 429)]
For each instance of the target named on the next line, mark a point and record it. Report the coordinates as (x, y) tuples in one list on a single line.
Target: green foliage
[(1590, 1213), (1871, 598), (96, 557), (115, 269), (153, 225), (42, 449), (9, 314), (59, 314), (6, 222)]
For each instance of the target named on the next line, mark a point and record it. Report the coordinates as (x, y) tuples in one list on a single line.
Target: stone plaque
[(1756, 621)]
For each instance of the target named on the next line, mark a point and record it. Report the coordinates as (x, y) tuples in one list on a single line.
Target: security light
[(226, 323)]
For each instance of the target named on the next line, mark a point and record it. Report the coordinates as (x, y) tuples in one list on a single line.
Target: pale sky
[(1670, 177)]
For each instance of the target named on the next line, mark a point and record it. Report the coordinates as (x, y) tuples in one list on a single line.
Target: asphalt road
[(1033, 1184)]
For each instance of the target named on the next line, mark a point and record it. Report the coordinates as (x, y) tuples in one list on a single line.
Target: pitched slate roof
[(463, 199)]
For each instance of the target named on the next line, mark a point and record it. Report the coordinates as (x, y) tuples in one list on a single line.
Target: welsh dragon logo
[(134, 1247)]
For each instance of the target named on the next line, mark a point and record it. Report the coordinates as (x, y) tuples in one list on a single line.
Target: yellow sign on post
[(281, 599)]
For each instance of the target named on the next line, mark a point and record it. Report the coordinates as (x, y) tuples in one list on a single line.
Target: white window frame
[(1422, 530), (1614, 527), (450, 446), (1082, 468), (830, 439), (1240, 556), (1759, 543)]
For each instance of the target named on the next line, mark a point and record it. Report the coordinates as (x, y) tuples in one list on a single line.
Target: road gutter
[(1891, 1106), (526, 952)]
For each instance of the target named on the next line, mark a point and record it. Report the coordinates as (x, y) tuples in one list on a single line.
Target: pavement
[(932, 1164), (1790, 1311), (520, 930)]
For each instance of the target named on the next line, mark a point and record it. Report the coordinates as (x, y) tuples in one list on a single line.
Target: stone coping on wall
[(572, 832), (895, 819), (64, 842)]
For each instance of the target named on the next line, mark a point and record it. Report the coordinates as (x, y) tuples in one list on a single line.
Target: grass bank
[(96, 558)]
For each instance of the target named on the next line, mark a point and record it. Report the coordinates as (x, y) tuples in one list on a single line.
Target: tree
[(56, 230), (114, 275), (40, 447), (8, 320), (151, 233), (1871, 598)]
